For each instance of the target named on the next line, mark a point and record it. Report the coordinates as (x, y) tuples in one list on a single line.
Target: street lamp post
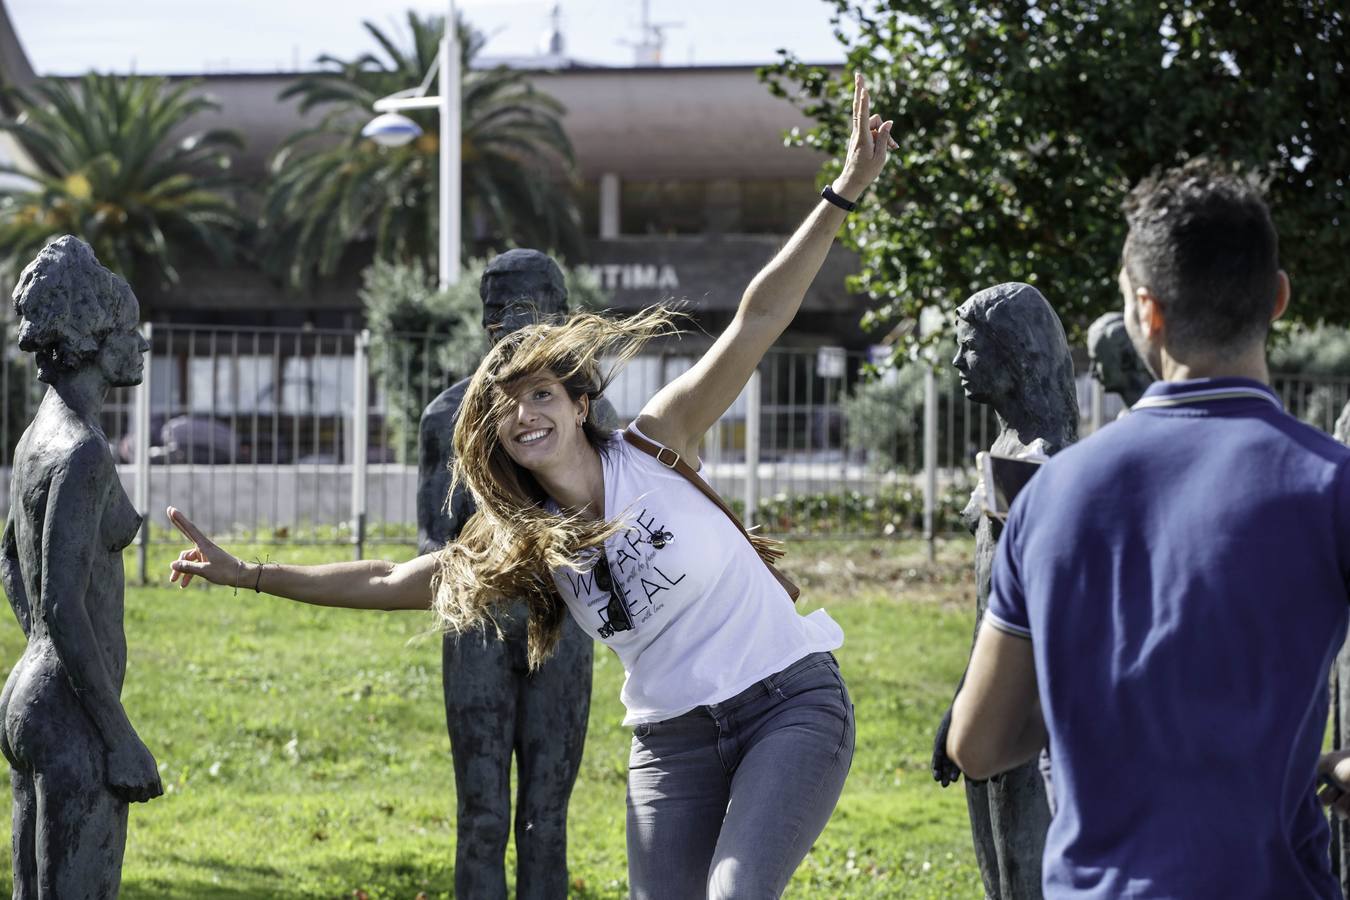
[(392, 129), (450, 147)]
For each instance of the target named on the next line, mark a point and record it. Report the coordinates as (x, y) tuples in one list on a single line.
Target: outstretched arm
[(363, 584), (12, 577), (683, 410)]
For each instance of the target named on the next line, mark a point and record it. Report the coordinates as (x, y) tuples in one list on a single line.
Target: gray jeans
[(724, 801)]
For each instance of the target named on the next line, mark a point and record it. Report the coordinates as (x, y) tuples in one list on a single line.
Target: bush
[(885, 416), (895, 510), (422, 339), (1319, 350)]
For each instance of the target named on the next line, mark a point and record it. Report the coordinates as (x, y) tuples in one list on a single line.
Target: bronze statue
[(76, 761), (1340, 715), (1011, 354), (1115, 363), (493, 704)]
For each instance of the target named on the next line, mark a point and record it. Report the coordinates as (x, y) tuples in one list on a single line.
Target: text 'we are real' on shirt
[(709, 619)]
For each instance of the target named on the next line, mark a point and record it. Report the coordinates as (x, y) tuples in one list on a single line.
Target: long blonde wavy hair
[(509, 547)]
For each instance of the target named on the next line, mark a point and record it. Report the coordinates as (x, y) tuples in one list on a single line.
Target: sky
[(63, 37)]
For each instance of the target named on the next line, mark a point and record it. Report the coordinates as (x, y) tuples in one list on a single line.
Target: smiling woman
[(723, 676)]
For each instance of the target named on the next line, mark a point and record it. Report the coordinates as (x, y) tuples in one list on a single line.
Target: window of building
[(722, 206)]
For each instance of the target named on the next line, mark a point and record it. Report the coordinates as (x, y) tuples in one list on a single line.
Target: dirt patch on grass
[(903, 567)]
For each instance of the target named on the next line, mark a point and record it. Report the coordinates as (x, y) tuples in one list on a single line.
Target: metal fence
[(310, 435)]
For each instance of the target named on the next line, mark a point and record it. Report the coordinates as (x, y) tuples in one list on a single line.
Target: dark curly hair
[(1202, 241), (67, 303), (1021, 323)]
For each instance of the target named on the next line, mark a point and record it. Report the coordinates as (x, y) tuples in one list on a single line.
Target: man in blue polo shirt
[(1169, 594)]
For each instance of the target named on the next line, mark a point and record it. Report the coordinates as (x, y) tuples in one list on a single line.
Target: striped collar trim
[(1199, 394)]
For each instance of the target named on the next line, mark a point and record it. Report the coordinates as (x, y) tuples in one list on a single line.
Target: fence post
[(4, 406), (1098, 405), (752, 415), (141, 432), (360, 439), (930, 449)]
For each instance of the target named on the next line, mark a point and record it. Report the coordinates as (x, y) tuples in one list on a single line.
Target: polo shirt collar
[(1164, 394)]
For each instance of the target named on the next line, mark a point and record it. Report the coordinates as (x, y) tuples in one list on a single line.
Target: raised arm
[(683, 410), (69, 539), (12, 577), (362, 584)]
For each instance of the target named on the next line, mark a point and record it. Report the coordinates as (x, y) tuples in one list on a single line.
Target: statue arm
[(12, 577), (945, 770), (440, 514), (428, 477), (459, 508), (69, 545), (68, 548)]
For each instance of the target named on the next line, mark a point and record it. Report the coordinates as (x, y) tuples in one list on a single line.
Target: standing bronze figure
[(1340, 716), (1012, 355), (494, 706), (1115, 363), (75, 759)]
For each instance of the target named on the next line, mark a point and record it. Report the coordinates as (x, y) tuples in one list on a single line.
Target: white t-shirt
[(709, 619)]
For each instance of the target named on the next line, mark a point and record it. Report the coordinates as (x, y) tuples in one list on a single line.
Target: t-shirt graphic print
[(681, 596)]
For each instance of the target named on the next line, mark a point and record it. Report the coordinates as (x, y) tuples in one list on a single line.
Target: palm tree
[(107, 172), (331, 187)]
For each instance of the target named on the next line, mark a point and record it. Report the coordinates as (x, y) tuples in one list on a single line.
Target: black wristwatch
[(829, 194)]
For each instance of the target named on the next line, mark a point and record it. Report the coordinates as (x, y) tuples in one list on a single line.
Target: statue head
[(519, 288), (73, 312), (1115, 363), (1012, 354)]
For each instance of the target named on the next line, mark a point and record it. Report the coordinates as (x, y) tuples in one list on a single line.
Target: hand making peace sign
[(204, 558)]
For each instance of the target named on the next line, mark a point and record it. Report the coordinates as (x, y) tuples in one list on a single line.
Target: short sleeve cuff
[(1007, 627)]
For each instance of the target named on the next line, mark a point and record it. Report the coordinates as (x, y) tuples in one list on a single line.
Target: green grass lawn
[(304, 752)]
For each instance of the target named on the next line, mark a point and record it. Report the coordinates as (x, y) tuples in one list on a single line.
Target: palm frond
[(111, 173), (330, 189)]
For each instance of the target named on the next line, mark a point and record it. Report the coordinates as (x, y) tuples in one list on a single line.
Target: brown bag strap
[(766, 549), (671, 460)]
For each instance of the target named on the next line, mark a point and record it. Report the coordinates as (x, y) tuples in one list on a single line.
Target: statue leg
[(1020, 816), (480, 707), (982, 836), (551, 734), (25, 835), (1048, 779), (1340, 700), (81, 827)]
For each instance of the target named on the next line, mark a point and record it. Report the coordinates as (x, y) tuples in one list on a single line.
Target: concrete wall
[(304, 503), (288, 501), (676, 123)]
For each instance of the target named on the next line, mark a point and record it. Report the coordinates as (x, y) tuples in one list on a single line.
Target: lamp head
[(391, 130)]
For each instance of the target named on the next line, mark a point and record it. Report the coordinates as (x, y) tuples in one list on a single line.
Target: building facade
[(686, 188)]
